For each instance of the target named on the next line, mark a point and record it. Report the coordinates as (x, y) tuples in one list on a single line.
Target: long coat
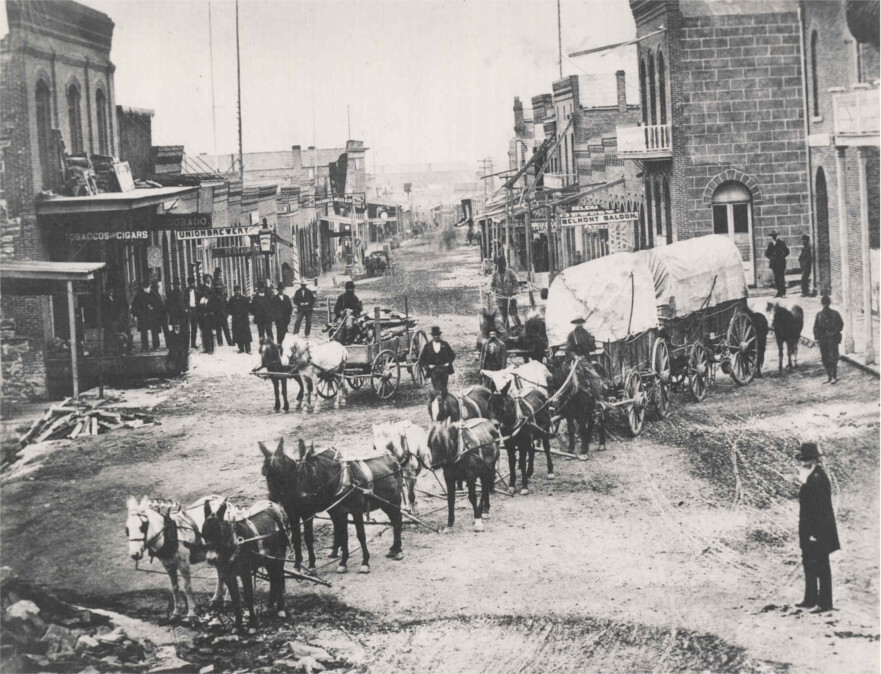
[(261, 309), (281, 308), (177, 307), (238, 307), (815, 515), (777, 254), (445, 356), (149, 309), (580, 343), (827, 327)]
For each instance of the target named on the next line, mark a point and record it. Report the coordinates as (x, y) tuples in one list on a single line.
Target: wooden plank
[(55, 425), (77, 429)]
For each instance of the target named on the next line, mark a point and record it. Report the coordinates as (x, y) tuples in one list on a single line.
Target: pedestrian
[(437, 359), (193, 296), (159, 314), (144, 310), (218, 312), (505, 286), (238, 308), (176, 305), (206, 322), (281, 312), (114, 317), (806, 262), (262, 312), (777, 252), (494, 353), (817, 531), (304, 300), (827, 332)]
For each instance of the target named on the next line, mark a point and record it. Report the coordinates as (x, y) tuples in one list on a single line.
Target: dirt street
[(674, 551)]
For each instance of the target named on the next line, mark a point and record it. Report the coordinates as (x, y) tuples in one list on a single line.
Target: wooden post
[(530, 273), (377, 327), (407, 319), (71, 317), (865, 255), (552, 252), (99, 291), (328, 310)]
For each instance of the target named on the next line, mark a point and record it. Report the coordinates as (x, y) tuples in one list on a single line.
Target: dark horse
[(531, 338), (470, 405), (577, 393), (522, 419), (761, 324), (325, 481), (787, 325), (270, 360), (466, 451), (264, 521)]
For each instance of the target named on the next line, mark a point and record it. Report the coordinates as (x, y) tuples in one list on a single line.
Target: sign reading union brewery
[(598, 219), (215, 232), (184, 220)]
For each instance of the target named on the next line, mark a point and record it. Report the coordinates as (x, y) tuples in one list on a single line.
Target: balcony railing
[(857, 118), (645, 142)]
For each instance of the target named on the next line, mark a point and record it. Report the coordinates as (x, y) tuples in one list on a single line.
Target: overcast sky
[(426, 81)]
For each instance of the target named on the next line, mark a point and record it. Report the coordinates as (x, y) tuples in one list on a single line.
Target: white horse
[(531, 375), (173, 534), (408, 444), (321, 361)]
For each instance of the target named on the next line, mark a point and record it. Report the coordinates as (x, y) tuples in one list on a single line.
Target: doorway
[(733, 217), (824, 263)]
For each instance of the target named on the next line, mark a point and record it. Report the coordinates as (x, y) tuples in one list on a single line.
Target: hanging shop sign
[(183, 220), (597, 220), (233, 251), (265, 240), (215, 232), (132, 236)]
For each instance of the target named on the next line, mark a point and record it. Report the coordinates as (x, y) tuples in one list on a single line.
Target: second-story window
[(662, 88), (74, 116), (43, 111), (814, 78), (652, 97), (642, 98), (101, 112)]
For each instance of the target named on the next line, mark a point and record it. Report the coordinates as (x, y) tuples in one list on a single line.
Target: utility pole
[(239, 78), (213, 104), (559, 40)]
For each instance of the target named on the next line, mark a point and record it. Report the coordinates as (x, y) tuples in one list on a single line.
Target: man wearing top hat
[(777, 252), (281, 312), (437, 358), (304, 300), (817, 532), (238, 307)]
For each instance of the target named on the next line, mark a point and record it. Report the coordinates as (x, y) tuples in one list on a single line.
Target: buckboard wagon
[(663, 319)]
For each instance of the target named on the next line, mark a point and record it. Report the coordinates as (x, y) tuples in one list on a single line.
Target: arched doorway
[(733, 217), (821, 245)]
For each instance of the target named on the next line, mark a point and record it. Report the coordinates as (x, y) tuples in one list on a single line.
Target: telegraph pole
[(213, 104), (239, 78)]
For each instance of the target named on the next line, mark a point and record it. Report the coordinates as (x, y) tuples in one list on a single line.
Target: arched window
[(101, 112), (74, 116), (642, 98), (43, 110), (814, 79), (662, 88), (651, 85)]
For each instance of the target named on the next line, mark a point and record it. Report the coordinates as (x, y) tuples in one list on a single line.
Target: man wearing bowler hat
[(580, 342), (437, 358), (777, 252), (817, 533)]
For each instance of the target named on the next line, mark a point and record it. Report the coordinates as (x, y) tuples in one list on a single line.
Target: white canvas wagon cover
[(604, 294), (696, 273)]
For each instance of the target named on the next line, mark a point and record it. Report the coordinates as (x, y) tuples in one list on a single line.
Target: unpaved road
[(655, 555)]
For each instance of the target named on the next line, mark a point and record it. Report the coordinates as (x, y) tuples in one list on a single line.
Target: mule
[(466, 451), (355, 487), (172, 534), (787, 325), (271, 361), (470, 405), (241, 545), (408, 444), (312, 362), (522, 418), (761, 325), (577, 397)]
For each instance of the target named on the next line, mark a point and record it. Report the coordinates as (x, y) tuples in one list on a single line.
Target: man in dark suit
[(580, 342), (304, 300), (817, 532), (261, 309), (777, 252), (827, 331), (238, 307), (806, 262), (176, 305), (281, 312), (192, 300), (437, 359)]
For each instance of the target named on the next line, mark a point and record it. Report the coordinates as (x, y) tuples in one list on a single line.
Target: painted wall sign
[(215, 232), (183, 220), (598, 220), (233, 251), (138, 235)]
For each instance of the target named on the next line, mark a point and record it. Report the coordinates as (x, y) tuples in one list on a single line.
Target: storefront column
[(841, 172), (866, 257), (71, 318)]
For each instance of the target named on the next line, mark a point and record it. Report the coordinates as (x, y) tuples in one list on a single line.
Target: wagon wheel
[(663, 374), (698, 371), (742, 349), (635, 392), (328, 386), (385, 375), (417, 372), (355, 381)]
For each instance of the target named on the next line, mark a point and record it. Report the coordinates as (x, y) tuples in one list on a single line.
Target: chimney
[(622, 92), (519, 127)]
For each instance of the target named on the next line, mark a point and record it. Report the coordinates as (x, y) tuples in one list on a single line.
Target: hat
[(190, 279), (774, 232), (280, 285), (350, 285), (808, 452), (435, 331), (825, 300), (577, 321), (303, 281)]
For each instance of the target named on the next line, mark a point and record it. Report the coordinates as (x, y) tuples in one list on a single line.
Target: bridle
[(144, 528)]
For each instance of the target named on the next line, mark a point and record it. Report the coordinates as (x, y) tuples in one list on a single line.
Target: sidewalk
[(811, 306)]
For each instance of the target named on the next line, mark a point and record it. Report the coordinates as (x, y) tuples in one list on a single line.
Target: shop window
[(662, 88), (101, 112), (43, 110), (74, 116), (652, 94), (814, 79)]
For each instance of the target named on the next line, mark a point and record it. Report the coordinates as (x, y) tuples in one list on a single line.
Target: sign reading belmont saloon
[(598, 220), (215, 232)]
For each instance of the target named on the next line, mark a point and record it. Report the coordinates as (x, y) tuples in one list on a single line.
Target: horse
[(354, 487), (578, 392), (467, 451), (271, 361), (531, 339), (787, 326), (322, 361), (524, 377), (408, 444), (522, 417), (240, 545), (761, 325), (172, 534), (470, 405)]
